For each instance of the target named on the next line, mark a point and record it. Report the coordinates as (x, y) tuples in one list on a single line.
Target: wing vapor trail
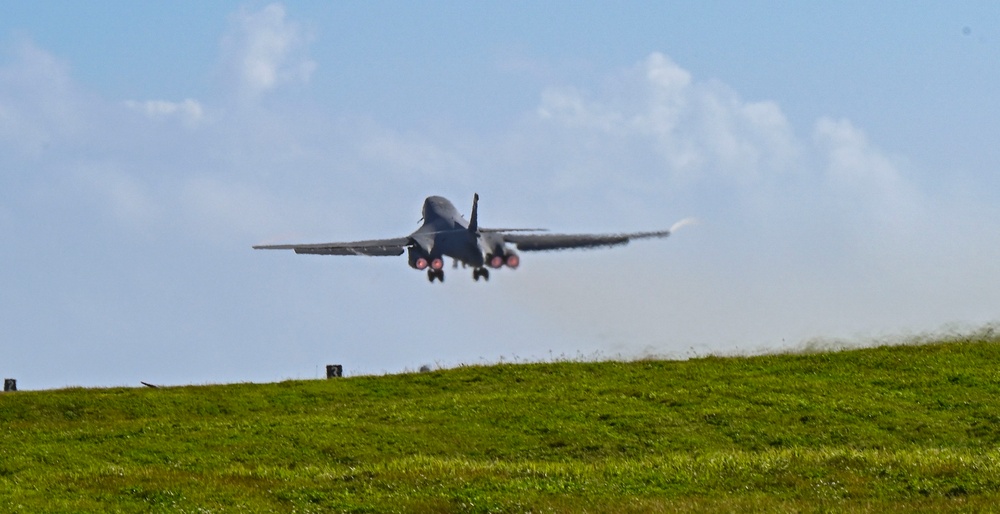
[(683, 223)]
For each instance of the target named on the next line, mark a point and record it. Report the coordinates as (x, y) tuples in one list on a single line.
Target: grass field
[(911, 427)]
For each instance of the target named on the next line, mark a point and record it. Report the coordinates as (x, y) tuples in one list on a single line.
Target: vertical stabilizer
[(474, 217)]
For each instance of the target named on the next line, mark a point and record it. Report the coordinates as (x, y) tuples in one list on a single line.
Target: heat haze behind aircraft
[(445, 233)]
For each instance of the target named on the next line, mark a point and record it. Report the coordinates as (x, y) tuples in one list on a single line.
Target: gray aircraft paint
[(444, 232)]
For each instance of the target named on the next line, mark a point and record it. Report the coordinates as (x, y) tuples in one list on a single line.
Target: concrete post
[(334, 371), (9, 384)]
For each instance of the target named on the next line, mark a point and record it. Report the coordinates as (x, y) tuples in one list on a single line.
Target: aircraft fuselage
[(444, 233)]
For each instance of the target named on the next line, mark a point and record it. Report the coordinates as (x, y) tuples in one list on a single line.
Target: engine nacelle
[(499, 260), (418, 258)]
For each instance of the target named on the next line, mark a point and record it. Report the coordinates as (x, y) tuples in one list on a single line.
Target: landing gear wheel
[(435, 274), (481, 272)]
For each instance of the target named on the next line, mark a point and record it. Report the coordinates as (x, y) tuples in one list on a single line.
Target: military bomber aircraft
[(445, 233)]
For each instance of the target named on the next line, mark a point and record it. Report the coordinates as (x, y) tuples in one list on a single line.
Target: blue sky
[(841, 159)]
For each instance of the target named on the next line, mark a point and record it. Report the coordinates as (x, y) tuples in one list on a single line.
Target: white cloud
[(851, 160), (568, 107), (265, 50), (860, 175), (805, 235), (38, 103), (189, 111), (698, 129)]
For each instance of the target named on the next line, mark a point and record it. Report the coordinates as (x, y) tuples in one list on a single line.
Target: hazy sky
[(842, 158)]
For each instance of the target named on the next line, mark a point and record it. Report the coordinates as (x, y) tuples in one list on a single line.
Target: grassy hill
[(894, 428)]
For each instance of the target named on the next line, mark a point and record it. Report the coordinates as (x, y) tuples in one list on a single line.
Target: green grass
[(913, 427)]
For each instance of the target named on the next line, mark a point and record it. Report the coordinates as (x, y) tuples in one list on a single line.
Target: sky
[(840, 158)]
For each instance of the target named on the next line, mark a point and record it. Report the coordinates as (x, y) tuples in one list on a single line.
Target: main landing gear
[(438, 274), (435, 274)]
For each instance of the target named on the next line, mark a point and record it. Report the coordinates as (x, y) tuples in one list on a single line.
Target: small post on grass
[(9, 385), (334, 371)]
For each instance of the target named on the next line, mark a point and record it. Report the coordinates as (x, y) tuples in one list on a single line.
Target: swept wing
[(539, 242), (374, 247)]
